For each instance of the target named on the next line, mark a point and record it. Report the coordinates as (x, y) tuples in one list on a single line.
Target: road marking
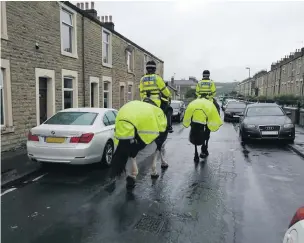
[(8, 190), (39, 177)]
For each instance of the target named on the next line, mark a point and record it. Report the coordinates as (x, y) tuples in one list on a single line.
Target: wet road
[(239, 194)]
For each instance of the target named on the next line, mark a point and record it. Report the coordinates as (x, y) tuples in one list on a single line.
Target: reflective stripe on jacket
[(148, 120), (202, 111), (156, 86), (206, 86)]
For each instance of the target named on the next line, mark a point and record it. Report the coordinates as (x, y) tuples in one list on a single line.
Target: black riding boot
[(169, 120)]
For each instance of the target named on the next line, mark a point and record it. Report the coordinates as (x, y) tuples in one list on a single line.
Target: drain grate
[(150, 224)]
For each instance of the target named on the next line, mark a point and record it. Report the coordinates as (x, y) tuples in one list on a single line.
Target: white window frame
[(131, 55), (3, 21), (74, 53), (132, 91), (106, 79), (7, 98), (95, 80), (74, 76), (51, 107), (109, 65)]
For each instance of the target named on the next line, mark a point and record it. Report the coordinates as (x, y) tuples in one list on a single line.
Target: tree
[(190, 93)]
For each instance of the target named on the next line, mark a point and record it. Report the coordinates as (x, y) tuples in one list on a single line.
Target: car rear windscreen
[(72, 118), (175, 105), (264, 111), (236, 105)]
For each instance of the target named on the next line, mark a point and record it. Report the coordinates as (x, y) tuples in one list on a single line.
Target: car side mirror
[(288, 113)]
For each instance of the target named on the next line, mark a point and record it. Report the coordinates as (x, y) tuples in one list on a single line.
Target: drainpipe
[(280, 80), (83, 72)]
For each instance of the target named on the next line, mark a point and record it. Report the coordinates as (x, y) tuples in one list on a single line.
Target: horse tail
[(120, 158)]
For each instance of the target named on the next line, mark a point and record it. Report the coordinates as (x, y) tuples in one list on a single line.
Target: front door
[(43, 99)]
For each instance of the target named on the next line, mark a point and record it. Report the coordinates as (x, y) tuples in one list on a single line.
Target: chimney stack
[(86, 5), (102, 19), (92, 5), (110, 19), (172, 80), (106, 18)]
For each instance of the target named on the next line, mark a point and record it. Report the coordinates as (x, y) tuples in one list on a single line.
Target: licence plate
[(54, 140), (270, 132)]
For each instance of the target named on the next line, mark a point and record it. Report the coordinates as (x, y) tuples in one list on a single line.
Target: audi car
[(266, 121), (178, 110)]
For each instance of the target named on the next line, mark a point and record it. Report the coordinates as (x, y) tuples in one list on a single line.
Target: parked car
[(225, 103), (74, 136), (295, 232), (234, 110), (178, 107), (266, 121)]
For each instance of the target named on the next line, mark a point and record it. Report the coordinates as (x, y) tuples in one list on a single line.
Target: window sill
[(68, 54), (4, 37), (108, 65), (5, 130)]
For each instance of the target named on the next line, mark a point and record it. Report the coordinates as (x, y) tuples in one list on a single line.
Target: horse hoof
[(154, 176), (204, 155), (164, 166), (130, 182)]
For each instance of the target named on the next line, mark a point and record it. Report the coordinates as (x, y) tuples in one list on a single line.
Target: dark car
[(233, 110), (178, 107), (266, 121)]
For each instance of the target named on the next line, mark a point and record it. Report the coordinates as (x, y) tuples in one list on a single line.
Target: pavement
[(239, 194), (298, 145)]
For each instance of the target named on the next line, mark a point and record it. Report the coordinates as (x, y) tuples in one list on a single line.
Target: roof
[(87, 15), (183, 82), (87, 109)]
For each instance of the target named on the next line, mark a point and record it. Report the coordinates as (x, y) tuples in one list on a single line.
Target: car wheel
[(107, 154), (225, 119), (243, 138), (289, 141)]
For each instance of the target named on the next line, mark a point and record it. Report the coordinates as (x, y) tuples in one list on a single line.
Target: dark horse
[(199, 136), (129, 149)]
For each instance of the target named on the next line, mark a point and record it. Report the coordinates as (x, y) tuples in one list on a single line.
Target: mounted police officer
[(153, 87), (207, 89)]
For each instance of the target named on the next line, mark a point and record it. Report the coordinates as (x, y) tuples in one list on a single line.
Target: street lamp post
[(249, 70)]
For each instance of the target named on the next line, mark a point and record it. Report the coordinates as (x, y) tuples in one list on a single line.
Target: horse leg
[(206, 146), (154, 174), (196, 158)]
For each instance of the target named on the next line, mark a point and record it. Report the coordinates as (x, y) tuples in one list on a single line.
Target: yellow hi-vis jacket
[(148, 120), (154, 84), (205, 86), (202, 111)]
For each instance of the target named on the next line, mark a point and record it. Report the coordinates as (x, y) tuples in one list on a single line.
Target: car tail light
[(31, 137), (299, 215), (84, 138)]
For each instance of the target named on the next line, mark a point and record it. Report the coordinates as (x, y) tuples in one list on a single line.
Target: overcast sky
[(223, 37)]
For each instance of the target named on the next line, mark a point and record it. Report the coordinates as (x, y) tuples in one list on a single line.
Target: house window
[(68, 92), (2, 97), (69, 89), (130, 92), (107, 92), (3, 21), (94, 91), (68, 32), (5, 97), (130, 61), (145, 62), (106, 48)]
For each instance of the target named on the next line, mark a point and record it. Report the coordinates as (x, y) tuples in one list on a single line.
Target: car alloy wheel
[(107, 154)]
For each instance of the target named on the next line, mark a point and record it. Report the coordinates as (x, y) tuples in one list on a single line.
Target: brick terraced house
[(55, 55)]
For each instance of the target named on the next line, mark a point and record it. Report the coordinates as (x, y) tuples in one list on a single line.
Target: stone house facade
[(55, 55), (284, 77)]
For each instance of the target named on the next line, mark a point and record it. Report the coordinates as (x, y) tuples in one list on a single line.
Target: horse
[(129, 148), (200, 133)]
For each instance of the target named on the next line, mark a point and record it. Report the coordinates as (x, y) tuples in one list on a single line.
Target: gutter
[(83, 71)]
